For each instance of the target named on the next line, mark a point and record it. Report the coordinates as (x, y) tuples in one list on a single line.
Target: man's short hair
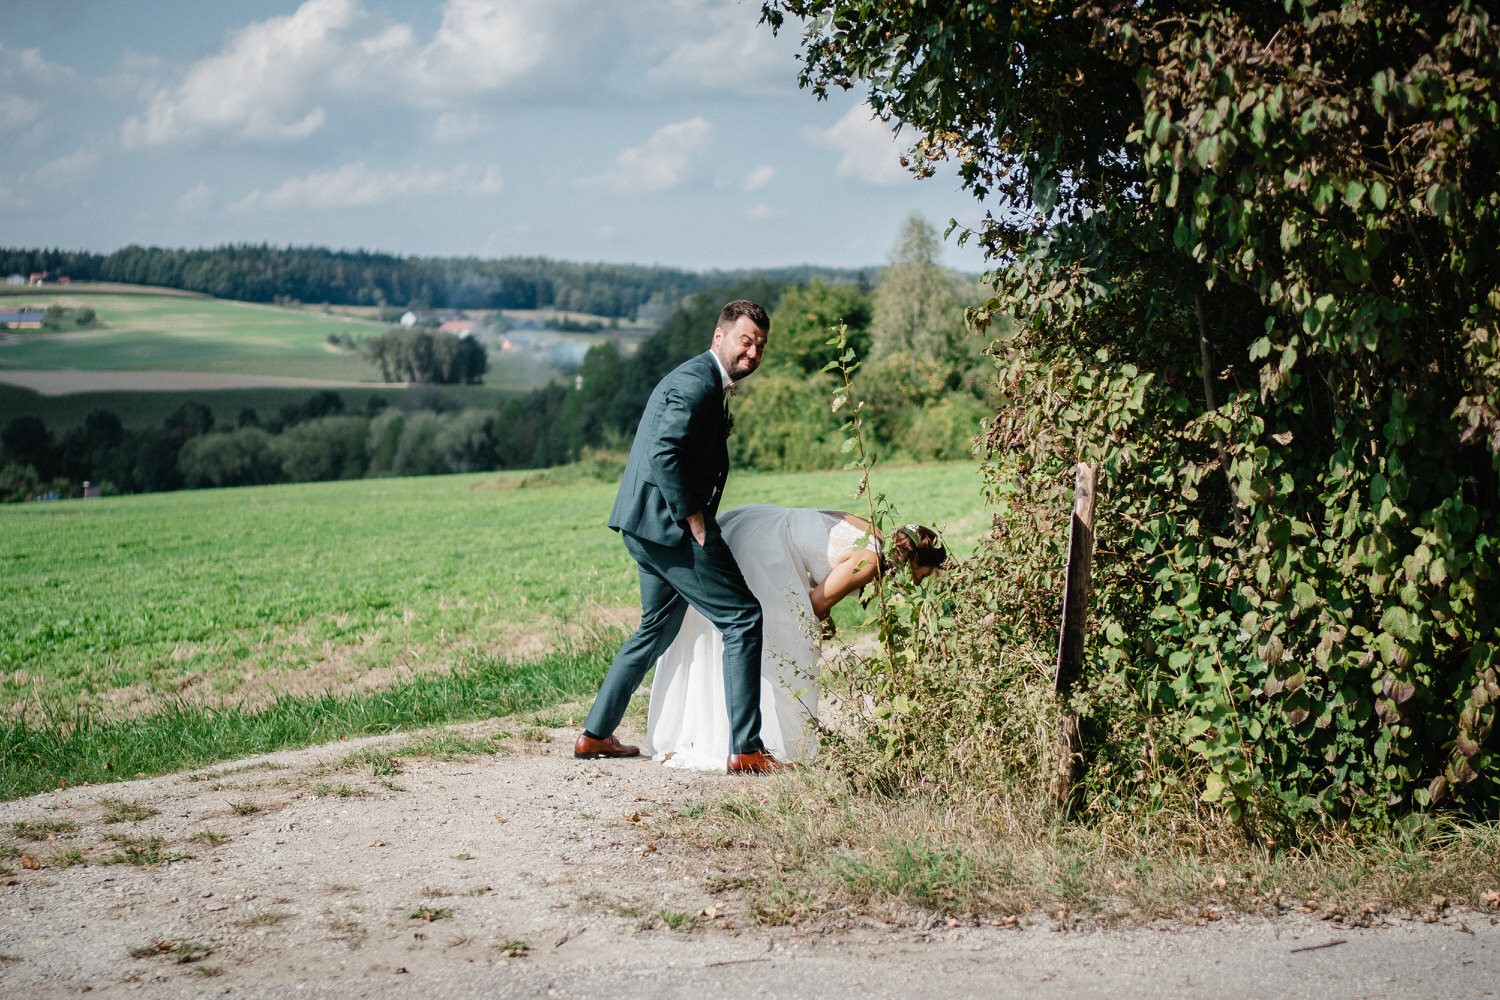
[(732, 311)]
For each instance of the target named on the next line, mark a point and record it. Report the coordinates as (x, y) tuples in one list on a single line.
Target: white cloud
[(869, 152), (761, 212), (9, 198), (66, 169), (486, 44), (28, 66), (16, 112), (259, 87), (25, 80), (284, 78), (717, 46), (760, 177), (489, 183), (455, 126), (196, 199), (660, 163), (357, 185)]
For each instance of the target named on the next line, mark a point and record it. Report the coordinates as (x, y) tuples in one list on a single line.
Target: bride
[(799, 563)]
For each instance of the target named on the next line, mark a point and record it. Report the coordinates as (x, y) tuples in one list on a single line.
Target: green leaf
[(1401, 623)]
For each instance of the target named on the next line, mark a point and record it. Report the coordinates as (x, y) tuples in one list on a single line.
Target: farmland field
[(126, 605), (155, 350), (183, 333)]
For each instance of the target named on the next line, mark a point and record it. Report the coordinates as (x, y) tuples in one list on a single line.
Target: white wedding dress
[(783, 552)]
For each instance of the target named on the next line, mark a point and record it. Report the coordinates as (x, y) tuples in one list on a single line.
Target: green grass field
[(135, 606), (165, 331), (182, 333)]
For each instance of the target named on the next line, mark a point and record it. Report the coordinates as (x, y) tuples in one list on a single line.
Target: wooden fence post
[(1070, 634)]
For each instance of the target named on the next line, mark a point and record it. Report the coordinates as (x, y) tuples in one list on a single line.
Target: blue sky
[(664, 132)]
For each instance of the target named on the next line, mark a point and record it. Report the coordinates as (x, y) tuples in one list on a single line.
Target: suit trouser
[(672, 578)]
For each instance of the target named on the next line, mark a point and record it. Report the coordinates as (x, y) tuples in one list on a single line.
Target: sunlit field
[(189, 333), (243, 345), (122, 605)]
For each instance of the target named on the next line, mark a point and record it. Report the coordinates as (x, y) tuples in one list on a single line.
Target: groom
[(665, 513)]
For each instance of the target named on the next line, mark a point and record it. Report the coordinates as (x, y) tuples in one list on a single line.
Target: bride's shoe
[(756, 762)]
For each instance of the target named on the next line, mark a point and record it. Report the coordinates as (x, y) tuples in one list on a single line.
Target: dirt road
[(530, 874)]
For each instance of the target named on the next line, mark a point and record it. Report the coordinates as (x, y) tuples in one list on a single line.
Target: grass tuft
[(42, 829), (116, 811), (142, 851)]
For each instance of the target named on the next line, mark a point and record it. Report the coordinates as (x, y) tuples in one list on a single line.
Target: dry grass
[(807, 848)]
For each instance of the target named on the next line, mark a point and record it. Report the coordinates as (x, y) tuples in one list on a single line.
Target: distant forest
[(261, 273)]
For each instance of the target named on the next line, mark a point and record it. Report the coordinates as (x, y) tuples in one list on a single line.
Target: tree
[(190, 419), (1253, 252), (242, 457), (87, 447), (918, 305), (427, 357), (28, 442), (325, 448), (783, 422), (804, 322)]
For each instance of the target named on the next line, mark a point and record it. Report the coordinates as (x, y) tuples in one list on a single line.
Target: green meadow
[(191, 333), (317, 604), (164, 331)]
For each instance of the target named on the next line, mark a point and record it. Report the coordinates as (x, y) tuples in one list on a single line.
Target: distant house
[(458, 327), (22, 319), (15, 279), (427, 317)]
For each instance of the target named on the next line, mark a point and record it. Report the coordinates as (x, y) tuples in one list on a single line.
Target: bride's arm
[(850, 574)]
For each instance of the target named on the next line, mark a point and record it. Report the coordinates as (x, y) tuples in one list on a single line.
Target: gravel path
[(531, 874)]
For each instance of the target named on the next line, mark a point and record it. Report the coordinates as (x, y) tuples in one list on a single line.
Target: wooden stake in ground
[(1070, 634)]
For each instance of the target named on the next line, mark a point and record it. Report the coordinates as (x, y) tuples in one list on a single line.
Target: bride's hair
[(912, 544), (909, 545)]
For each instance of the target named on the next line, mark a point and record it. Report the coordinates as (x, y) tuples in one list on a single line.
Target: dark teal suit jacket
[(679, 460)]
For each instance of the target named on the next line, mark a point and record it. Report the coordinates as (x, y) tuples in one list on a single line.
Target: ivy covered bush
[(1253, 256)]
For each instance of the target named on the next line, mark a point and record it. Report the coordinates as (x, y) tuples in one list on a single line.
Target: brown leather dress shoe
[(588, 748), (757, 762)]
